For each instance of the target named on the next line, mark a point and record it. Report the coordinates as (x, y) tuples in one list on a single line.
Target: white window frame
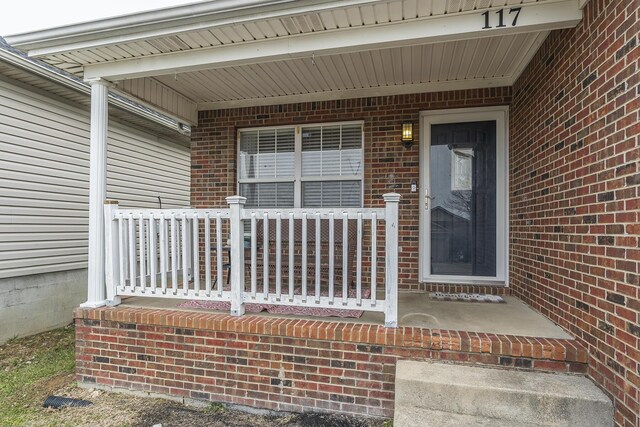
[(298, 178), (501, 116)]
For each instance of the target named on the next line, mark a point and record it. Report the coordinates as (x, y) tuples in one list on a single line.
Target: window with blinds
[(308, 166)]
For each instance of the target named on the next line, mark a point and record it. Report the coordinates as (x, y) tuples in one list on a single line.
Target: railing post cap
[(110, 202), (391, 197), (235, 200)]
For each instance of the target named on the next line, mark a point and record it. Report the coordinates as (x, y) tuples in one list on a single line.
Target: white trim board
[(361, 93), (534, 17), (501, 116), (166, 22)]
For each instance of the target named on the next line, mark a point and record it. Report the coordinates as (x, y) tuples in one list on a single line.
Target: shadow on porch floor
[(418, 310)]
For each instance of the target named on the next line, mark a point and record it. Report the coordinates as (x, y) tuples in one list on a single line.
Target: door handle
[(427, 197)]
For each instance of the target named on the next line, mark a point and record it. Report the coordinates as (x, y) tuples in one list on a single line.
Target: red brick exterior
[(284, 364), (575, 192), (214, 148), (574, 196)]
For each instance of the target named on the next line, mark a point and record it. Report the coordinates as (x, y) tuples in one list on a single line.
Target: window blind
[(329, 175)]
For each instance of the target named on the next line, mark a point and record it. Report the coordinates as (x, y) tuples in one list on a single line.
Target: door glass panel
[(463, 199)]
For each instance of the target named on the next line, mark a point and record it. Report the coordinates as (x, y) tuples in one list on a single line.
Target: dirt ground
[(113, 409), (35, 367)]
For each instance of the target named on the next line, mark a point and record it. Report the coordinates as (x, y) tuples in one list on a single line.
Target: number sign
[(501, 18)]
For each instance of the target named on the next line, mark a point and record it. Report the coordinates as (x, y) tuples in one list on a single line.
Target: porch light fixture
[(407, 134)]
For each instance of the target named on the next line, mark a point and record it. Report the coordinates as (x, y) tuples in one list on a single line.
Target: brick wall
[(283, 364), (575, 192), (389, 167)]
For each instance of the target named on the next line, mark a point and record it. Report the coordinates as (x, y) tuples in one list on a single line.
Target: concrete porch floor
[(418, 310)]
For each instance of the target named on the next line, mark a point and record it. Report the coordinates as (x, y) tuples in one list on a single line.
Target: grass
[(215, 408), (30, 368)]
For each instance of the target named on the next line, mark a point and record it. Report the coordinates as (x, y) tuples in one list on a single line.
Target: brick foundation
[(284, 364)]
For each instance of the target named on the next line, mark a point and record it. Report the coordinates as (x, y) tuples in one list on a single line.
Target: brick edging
[(564, 350)]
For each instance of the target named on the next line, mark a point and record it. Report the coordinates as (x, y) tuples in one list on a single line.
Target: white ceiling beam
[(533, 17), (360, 93)]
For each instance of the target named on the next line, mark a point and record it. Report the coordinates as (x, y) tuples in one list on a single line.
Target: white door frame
[(501, 116)]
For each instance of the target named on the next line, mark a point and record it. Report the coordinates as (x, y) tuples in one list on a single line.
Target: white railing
[(329, 258)]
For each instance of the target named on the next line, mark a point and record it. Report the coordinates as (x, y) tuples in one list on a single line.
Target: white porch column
[(97, 192)]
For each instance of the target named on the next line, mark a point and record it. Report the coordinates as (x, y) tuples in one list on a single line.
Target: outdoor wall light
[(407, 134)]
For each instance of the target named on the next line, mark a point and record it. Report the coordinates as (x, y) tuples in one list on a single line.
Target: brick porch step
[(438, 394)]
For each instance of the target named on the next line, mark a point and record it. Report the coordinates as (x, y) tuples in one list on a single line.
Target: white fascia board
[(166, 22), (116, 98), (529, 54), (534, 17), (361, 93)]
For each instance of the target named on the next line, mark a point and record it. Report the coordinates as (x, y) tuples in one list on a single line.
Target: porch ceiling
[(226, 53), (487, 62)]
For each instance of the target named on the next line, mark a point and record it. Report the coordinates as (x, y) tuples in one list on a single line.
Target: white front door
[(464, 200)]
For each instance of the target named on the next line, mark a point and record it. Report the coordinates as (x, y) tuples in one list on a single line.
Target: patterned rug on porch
[(285, 309), (443, 296)]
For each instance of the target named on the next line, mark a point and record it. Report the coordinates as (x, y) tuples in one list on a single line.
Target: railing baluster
[(345, 257), (163, 253), (126, 256), (189, 248), (132, 253), (185, 256), (196, 253), (374, 256), (142, 244), (331, 256), (152, 253), (148, 258), (207, 253), (121, 252), (291, 254), (179, 242), (304, 257), (359, 262), (254, 255), (265, 256), (167, 260), (278, 256), (318, 260), (219, 255), (174, 254)]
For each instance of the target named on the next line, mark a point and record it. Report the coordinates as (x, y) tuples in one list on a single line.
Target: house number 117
[(500, 13)]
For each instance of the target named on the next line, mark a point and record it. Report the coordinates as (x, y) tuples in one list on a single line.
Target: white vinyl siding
[(44, 179), (307, 166)]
